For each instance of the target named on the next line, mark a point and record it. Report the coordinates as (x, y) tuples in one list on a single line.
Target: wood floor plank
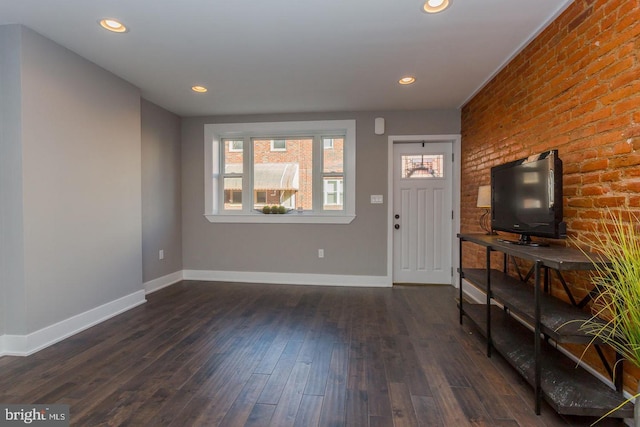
[(334, 404), (401, 405), (427, 411), (393, 362), (309, 413), (272, 355), (522, 413), (476, 347), (377, 383), (278, 379), (357, 408), (472, 406), (402, 366), (357, 367), (311, 342), (289, 402), (233, 354), (260, 415), (380, 421), (319, 371), (451, 410), (473, 373), (224, 388), (239, 412)]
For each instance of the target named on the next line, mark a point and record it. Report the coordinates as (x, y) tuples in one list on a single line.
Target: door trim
[(455, 140)]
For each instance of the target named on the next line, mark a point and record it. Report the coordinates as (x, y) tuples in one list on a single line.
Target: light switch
[(376, 199)]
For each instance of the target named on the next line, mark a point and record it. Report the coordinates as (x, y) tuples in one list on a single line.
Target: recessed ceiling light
[(435, 6), (113, 25), (407, 80), (199, 89)]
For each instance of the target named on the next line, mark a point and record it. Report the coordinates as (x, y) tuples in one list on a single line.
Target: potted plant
[(616, 309)]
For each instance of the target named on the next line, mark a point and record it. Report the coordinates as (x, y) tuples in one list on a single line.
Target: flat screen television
[(526, 197)]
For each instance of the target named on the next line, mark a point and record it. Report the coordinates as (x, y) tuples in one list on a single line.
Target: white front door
[(422, 212)]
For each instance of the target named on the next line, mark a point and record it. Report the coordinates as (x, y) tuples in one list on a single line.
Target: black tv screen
[(526, 197)]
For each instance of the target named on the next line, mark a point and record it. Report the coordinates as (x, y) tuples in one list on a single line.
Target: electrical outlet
[(161, 254), (320, 253)]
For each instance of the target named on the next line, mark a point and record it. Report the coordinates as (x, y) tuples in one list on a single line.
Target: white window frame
[(214, 135)]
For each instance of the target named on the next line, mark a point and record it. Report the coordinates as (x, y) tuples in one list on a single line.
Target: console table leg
[(537, 342), (460, 275), (488, 269)]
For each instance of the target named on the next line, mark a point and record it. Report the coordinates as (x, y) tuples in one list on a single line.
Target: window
[(333, 173), (235, 146), (286, 177), (233, 198), (422, 166), (278, 145), (232, 180), (308, 167), (333, 195), (261, 198)]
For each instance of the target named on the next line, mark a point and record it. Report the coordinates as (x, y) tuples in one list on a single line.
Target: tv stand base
[(524, 241)]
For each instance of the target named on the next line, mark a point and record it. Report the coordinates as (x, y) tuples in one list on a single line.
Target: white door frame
[(455, 198)]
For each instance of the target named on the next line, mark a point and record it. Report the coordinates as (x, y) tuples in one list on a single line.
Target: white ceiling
[(274, 56)]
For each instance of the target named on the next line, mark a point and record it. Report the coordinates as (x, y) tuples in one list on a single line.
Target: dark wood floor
[(220, 354)]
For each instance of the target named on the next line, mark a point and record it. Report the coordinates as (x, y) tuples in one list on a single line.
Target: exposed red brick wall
[(576, 87)]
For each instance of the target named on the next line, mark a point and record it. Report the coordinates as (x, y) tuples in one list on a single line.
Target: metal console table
[(528, 321)]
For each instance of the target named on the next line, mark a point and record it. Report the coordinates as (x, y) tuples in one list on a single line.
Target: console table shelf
[(554, 257), (527, 318), (558, 320), (568, 389)]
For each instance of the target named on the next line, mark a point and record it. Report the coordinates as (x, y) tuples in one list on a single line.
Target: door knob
[(397, 226)]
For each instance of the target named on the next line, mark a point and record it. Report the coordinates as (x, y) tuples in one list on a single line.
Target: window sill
[(291, 218)]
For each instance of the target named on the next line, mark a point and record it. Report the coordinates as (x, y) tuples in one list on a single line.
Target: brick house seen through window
[(283, 173)]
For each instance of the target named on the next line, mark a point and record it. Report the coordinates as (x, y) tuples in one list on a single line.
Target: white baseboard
[(25, 345), (473, 293), (162, 282), (287, 278)]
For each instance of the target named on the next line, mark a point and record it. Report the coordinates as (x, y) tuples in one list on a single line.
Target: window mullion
[(247, 181), (222, 175), (212, 186), (318, 180)]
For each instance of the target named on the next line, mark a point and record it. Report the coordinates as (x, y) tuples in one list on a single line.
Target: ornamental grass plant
[(618, 302), (616, 309)]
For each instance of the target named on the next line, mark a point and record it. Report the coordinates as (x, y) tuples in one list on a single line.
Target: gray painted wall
[(358, 248), (161, 192), (81, 185), (12, 297)]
